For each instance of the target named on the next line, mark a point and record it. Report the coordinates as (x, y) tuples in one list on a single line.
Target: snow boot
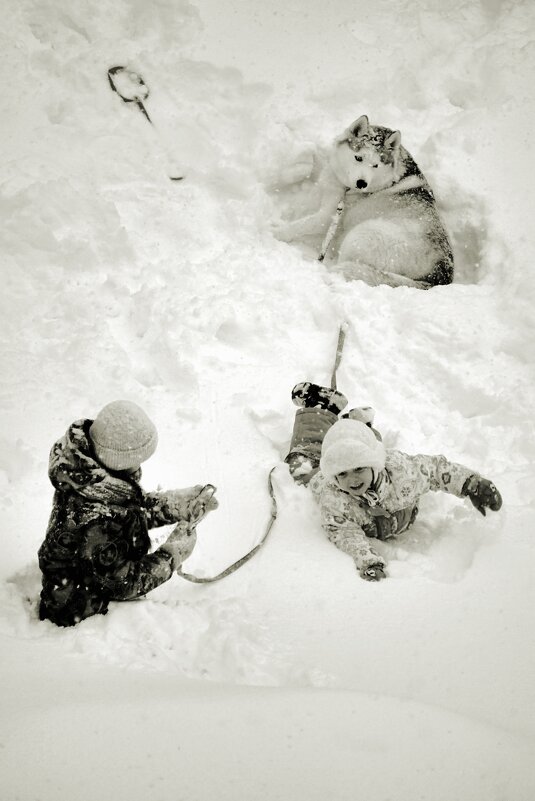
[(366, 415), (314, 396)]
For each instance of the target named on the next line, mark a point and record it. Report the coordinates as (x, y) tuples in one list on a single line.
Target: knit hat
[(123, 436), (348, 445)]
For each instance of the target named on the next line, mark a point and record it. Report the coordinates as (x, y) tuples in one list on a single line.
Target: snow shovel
[(131, 88)]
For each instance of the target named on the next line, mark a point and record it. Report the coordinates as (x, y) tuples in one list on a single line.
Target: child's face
[(356, 482)]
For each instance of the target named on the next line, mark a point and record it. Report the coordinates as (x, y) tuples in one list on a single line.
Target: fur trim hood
[(73, 467)]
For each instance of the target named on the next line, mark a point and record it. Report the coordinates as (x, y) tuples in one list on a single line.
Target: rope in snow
[(236, 565)]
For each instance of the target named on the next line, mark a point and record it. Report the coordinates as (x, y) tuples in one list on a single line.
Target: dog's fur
[(390, 230)]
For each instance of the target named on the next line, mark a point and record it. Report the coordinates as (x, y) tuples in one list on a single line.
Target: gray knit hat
[(123, 436)]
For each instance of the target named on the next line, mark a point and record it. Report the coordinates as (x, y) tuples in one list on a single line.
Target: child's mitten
[(191, 504), (180, 543), (203, 503), (482, 493), (373, 572)]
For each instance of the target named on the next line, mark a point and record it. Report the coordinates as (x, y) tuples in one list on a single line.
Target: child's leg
[(319, 409), (310, 426)]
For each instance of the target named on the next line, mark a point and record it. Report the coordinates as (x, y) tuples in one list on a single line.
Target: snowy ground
[(292, 679)]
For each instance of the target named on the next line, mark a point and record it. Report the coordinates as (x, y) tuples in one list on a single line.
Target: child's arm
[(348, 535), (121, 579), (436, 473), (351, 539), (163, 508)]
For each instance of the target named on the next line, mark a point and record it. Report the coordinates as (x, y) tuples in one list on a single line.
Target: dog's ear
[(356, 129), (393, 141), (359, 127)]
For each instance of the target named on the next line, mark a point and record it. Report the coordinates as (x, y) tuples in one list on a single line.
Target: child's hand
[(483, 494), (204, 502), (179, 500), (373, 573), (180, 543)]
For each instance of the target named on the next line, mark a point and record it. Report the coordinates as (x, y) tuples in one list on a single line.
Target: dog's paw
[(283, 231), (295, 173)]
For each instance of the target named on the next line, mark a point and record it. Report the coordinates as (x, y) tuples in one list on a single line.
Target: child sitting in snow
[(363, 490), (97, 544)]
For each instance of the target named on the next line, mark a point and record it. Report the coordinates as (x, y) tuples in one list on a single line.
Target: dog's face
[(365, 158)]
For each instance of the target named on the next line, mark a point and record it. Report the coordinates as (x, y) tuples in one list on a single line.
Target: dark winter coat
[(97, 542)]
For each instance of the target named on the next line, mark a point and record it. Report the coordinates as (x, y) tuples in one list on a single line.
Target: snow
[(293, 678)]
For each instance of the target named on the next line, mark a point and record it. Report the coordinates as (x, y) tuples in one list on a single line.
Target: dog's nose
[(361, 184)]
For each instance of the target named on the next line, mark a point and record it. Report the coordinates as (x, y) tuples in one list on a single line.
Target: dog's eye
[(358, 158), (375, 165)]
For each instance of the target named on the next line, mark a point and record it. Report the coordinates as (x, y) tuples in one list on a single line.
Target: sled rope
[(333, 226), (236, 565), (136, 98), (339, 348)]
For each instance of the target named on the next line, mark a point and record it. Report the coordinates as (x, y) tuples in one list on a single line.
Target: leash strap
[(236, 565)]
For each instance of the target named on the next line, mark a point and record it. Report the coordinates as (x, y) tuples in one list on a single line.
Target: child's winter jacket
[(392, 506), (97, 542)]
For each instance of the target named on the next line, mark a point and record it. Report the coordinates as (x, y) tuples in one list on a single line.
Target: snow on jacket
[(97, 543), (349, 521)]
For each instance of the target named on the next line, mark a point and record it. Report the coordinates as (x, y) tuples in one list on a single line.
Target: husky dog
[(388, 229)]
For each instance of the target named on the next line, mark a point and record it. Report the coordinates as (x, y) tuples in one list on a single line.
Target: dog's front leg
[(359, 271), (316, 223)]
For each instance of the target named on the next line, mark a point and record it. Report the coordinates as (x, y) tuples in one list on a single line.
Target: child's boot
[(366, 415)]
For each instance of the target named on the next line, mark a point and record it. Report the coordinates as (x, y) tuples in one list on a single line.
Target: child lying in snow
[(364, 490), (97, 544)]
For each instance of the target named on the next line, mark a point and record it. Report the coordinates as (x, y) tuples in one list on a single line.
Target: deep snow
[(292, 679)]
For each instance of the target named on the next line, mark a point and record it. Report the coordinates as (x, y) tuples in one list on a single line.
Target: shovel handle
[(339, 349)]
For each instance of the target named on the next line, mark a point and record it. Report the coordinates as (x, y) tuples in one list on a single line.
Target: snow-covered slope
[(292, 679)]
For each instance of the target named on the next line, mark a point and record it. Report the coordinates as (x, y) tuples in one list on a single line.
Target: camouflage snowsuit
[(97, 544), (349, 522)]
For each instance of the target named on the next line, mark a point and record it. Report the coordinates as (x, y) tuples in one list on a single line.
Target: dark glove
[(373, 573), (482, 493)]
